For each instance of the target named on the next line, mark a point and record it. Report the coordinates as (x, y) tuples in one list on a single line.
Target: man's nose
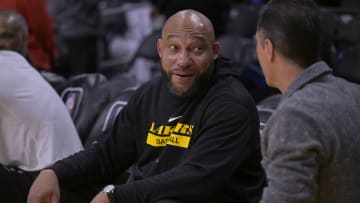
[(184, 59)]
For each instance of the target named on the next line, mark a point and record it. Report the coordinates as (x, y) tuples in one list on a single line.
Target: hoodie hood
[(224, 68)]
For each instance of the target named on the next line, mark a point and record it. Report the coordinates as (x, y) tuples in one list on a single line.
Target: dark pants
[(15, 185)]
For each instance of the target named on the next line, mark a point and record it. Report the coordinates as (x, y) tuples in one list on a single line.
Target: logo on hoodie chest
[(178, 135)]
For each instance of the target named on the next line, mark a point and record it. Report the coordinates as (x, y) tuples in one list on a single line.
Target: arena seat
[(85, 96), (106, 120), (58, 82)]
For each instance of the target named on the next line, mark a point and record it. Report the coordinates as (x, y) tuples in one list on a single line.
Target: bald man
[(191, 135), (13, 32)]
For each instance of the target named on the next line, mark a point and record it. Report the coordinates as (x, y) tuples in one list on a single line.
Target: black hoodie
[(204, 148)]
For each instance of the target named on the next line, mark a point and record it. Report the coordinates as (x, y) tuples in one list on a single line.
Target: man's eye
[(198, 49), (172, 47)]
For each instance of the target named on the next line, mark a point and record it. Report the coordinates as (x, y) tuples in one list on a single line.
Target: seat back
[(85, 96), (349, 65), (240, 50), (146, 62), (58, 82), (106, 120)]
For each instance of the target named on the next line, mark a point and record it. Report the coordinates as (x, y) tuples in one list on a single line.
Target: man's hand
[(100, 198), (45, 188)]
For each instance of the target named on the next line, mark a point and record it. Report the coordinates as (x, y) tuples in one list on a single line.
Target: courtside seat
[(146, 62), (119, 83), (240, 50), (349, 64), (58, 82), (105, 121), (85, 96)]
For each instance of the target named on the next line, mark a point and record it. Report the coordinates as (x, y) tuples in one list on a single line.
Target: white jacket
[(35, 127)]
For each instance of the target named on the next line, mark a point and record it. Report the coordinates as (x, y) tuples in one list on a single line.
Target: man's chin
[(186, 88), (178, 91)]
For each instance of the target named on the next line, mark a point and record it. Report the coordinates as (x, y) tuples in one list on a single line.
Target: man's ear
[(159, 47), (216, 50), (269, 49)]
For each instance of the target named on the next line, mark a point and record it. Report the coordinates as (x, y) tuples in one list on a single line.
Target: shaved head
[(187, 49), (13, 32), (189, 20)]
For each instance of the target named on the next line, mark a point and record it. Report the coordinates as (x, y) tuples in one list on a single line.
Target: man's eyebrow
[(199, 37), (170, 36)]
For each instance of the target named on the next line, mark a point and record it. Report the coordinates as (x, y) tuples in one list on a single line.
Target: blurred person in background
[(77, 25), (35, 126), (42, 51)]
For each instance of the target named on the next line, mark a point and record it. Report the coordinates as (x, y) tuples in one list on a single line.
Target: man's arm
[(291, 152), (104, 160)]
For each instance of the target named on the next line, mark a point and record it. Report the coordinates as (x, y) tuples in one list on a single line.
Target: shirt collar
[(312, 72)]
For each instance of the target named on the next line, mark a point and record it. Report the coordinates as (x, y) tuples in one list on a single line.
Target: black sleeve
[(100, 163), (228, 137)]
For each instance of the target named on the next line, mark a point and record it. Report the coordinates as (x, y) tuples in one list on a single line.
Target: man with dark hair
[(191, 135), (310, 146)]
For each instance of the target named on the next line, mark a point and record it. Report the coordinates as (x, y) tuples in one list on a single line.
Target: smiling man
[(191, 135), (189, 52)]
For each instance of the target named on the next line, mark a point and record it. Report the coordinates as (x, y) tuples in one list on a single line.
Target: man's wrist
[(109, 192)]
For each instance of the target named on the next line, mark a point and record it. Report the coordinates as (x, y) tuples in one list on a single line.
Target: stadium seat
[(106, 120), (85, 96)]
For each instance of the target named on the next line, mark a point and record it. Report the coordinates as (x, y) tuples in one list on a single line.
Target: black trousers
[(15, 185)]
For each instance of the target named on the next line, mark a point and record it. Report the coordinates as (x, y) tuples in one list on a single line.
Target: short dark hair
[(294, 28)]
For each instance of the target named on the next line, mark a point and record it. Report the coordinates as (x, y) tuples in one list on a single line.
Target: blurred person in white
[(35, 127)]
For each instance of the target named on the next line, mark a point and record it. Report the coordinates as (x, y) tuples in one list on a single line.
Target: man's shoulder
[(230, 87), (8, 55), (149, 88)]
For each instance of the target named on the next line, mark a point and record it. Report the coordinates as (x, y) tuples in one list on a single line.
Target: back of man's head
[(294, 28), (13, 32)]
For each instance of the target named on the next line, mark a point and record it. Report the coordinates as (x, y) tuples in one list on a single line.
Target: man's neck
[(287, 75)]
